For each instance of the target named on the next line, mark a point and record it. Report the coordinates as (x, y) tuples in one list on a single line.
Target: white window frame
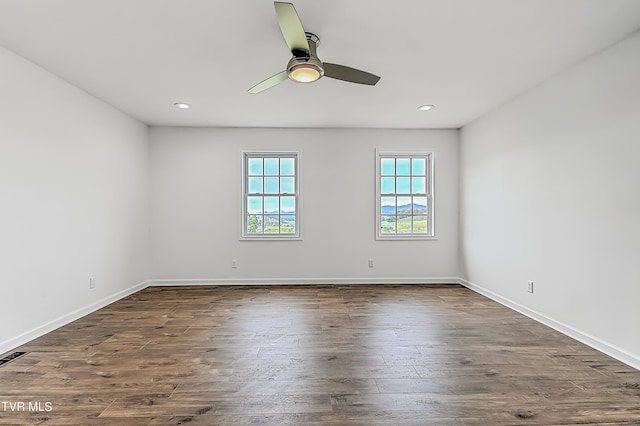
[(428, 155), (244, 235)]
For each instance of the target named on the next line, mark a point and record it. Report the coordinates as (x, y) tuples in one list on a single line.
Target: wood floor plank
[(314, 355)]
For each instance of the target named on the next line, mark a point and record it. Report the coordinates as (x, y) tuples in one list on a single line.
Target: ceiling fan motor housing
[(306, 68)]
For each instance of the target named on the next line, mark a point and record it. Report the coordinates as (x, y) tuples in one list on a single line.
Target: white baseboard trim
[(589, 340), (300, 281), (14, 342)]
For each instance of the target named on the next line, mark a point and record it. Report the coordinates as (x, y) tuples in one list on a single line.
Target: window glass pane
[(403, 166), (255, 166), (419, 205), (387, 166), (404, 205), (404, 224), (403, 185), (271, 224), (287, 205), (254, 224), (419, 224), (388, 224), (287, 224), (403, 200), (270, 166), (254, 205), (388, 185), (255, 185), (271, 185), (270, 201), (271, 204), (286, 185), (287, 166), (388, 205), (418, 166), (418, 185)]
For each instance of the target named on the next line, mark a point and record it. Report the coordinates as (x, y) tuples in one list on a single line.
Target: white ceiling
[(465, 56)]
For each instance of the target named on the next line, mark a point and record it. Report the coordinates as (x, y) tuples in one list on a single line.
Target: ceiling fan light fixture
[(305, 73)]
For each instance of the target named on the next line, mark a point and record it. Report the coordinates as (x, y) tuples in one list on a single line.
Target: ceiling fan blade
[(291, 27), (270, 82), (352, 75)]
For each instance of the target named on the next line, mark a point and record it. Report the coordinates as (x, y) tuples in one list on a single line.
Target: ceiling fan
[(305, 66)]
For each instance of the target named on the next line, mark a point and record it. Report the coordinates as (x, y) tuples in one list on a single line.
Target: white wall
[(550, 192), (74, 201), (196, 221)]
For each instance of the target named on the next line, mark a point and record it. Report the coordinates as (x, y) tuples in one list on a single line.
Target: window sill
[(271, 238), (406, 238)]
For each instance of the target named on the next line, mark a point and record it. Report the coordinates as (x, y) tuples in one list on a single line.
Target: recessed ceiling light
[(426, 107), (182, 105)]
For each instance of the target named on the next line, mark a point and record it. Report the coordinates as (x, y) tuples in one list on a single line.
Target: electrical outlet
[(370, 263), (234, 263), (92, 282), (530, 286)]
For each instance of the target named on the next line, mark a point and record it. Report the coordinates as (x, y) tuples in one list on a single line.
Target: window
[(270, 195), (404, 195)]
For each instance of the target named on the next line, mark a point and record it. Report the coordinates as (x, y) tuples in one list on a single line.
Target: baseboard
[(20, 340), (589, 340), (300, 281)]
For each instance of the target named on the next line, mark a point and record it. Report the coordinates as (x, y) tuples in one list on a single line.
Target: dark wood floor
[(314, 355)]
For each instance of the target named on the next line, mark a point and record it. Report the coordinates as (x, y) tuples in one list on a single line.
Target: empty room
[(319, 212)]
